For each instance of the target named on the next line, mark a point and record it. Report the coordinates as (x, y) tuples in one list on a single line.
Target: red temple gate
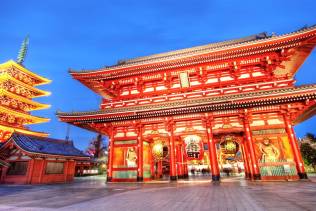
[(217, 104)]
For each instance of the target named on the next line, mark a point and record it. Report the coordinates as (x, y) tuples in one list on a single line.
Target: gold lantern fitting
[(230, 146)]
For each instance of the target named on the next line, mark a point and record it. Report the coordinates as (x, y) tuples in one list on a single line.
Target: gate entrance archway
[(231, 155)]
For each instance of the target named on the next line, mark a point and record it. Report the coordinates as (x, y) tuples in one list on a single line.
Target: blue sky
[(92, 34)]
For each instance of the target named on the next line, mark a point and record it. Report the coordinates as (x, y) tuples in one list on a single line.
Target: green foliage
[(308, 154), (23, 50), (311, 137)]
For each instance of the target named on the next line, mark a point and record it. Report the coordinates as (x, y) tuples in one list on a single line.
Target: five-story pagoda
[(17, 90)]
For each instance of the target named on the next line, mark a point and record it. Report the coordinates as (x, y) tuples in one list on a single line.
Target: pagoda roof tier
[(194, 105), (35, 145), (36, 92), (36, 105), (23, 131), (256, 44), (37, 80), (33, 119)]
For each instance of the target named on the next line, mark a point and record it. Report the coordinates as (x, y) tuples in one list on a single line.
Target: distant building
[(26, 159)]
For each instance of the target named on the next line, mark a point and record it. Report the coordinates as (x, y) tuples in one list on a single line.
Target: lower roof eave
[(243, 98), (84, 120), (306, 114)]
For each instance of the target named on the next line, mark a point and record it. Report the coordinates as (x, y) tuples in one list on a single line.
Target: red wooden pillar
[(152, 163), (296, 151), (212, 151), (81, 171), (66, 167), (30, 171), (179, 162), (247, 152), (42, 170), (3, 174), (159, 169), (140, 169), (71, 170), (110, 156), (182, 161), (185, 167), (173, 173), (245, 158), (254, 162)]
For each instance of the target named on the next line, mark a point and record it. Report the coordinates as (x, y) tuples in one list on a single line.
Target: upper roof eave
[(187, 53)]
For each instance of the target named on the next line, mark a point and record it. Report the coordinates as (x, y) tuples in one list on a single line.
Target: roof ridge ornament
[(23, 50)]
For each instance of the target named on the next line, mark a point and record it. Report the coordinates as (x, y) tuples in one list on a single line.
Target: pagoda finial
[(23, 50)]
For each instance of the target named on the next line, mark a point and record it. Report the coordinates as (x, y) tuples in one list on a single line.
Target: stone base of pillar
[(256, 177), (302, 175), (247, 175), (108, 179), (180, 177), (140, 179), (173, 178), (216, 178), (185, 176)]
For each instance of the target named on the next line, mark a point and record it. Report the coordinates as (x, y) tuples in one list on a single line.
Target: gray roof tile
[(47, 146)]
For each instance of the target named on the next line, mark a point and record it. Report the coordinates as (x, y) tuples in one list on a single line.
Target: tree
[(98, 150), (308, 150), (311, 137), (97, 147)]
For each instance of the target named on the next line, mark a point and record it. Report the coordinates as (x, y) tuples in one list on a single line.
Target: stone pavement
[(93, 194)]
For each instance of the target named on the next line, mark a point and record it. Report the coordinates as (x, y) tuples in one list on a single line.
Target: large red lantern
[(193, 147)]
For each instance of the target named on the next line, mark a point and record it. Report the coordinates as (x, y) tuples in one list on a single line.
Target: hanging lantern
[(193, 147), (157, 150)]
